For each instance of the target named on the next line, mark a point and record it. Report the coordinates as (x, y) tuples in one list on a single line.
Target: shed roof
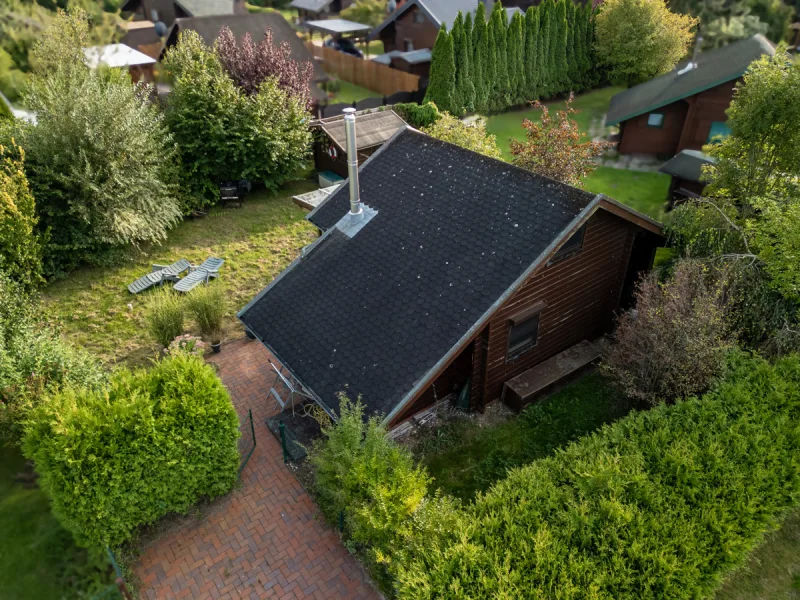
[(713, 68), (256, 24), (115, 55), (687, 164), (337, 26), (374, 128), (412, 57), (206, 8), (454, 234), (310, 5)]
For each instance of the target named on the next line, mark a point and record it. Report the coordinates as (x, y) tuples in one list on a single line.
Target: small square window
[(523, 336), (572, 246), (419, 17), (655, 120)]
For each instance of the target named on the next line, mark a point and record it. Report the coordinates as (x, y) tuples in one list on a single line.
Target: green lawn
[(38, 557), (465, 458), (642, 191), (95, 310), (773, 570), (349, 93), (508, 126)]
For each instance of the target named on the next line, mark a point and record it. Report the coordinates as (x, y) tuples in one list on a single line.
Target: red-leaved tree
[(249, 64), (555, 148)]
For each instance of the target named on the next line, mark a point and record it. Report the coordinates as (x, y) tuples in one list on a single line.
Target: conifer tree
[(518, 22), (581, 32), (560, 48), (532, 59), (545, 67), (471, 75), (491, 67), (572, 58), (512, 61), (442, 79), (593, 70), (480, 52), (499, 98), (464, 97)]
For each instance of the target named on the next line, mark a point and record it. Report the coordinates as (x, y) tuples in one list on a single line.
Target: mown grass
[(465, 458), (349, 93), (94, 309), (773, 570), (507, 126), (38, 557), (642, 191)]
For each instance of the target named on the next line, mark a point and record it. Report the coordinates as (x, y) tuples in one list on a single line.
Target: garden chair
[(198, 274), (234, 192), (159, 275)]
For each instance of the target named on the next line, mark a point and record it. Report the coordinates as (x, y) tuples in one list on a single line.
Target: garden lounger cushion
[(158, 277)]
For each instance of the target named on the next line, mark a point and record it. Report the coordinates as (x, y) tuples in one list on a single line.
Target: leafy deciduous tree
[(370, 12), (472, 136)]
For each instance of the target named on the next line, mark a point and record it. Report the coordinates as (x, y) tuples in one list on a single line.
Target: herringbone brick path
[(264, 540)]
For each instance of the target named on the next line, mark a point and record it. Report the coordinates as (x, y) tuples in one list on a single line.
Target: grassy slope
[(349, 92), (95, 310), (773, 570), (465, 458), (38, 557)]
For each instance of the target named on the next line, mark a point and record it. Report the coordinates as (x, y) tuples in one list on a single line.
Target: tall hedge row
[(153, 442), (497, 63), (661, 504)]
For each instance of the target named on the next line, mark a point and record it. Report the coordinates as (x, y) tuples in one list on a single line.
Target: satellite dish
[(161, 29)]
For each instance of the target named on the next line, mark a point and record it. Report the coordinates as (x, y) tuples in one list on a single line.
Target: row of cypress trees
[(486, 65)]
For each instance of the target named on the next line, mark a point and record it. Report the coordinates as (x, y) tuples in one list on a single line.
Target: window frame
[(566, 251), (660, 125), (522, 318), (418, 17)]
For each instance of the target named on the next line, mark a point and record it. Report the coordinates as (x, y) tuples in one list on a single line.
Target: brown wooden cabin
[(375, 127), (459, 270), (686, 171), (686, 108)]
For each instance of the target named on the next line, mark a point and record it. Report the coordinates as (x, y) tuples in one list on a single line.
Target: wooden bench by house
[(533, 383)]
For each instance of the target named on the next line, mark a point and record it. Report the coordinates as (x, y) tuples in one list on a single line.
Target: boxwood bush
[(661, 504), (153, 442)]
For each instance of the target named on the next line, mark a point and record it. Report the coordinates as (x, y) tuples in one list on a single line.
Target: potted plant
[(207, 306)]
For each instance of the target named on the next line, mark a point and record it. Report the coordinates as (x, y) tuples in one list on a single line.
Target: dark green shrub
[(662, 504), (418, 115), (165, 314), (207, 306), (153, 442)]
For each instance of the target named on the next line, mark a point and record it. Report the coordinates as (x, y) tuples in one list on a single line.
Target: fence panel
[(365, 73)]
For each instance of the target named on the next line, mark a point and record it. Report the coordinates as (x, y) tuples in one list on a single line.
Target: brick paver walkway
[(265, 540)]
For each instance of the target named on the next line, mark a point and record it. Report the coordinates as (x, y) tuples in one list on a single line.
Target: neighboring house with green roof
[(686, 108)]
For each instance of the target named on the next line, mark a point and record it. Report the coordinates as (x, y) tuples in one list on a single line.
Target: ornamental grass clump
[(165, 314), (206, 304), (152, 442)]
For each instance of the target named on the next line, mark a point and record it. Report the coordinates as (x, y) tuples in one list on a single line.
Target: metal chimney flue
[(356, 209)]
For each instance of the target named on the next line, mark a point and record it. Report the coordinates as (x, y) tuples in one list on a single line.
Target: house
[(684, 109), (415, 25), (449, 268), (256, 24), (375, 128), (319, 9), (139, 65), (166, 11), (686, 170)]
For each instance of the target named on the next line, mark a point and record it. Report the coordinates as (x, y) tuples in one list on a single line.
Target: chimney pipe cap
[(349, 110)]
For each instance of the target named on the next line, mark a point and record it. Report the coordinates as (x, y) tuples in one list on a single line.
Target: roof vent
[(359, 214)]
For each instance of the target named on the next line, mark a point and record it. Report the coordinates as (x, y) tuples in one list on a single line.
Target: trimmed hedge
[(661, 504), (154, 442)]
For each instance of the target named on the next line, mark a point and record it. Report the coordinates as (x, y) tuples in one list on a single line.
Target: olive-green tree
[(532, 57)]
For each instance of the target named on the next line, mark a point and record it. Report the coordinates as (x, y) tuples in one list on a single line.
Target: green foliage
[(418, 115), (516, 58), (560, 48), (500, 96), (467, 57), (12, 80), (34, 360), (20, 246), (640, 39), (151, 443), (371, 480), (165, 315), (661, 504), (442, 88), (573, 35), (207, 305), (100, 161), (532, 55), (480, 62), (471, 136), (464, 95), (678, 323), (725, 21), (370, 12), (225, 134)]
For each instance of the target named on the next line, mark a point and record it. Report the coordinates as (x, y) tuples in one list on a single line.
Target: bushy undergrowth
[(207, 306), (153, 442), (165, 315), (418, 115), (661, 504)]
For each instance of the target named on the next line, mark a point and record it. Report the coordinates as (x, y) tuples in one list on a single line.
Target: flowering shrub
[(186, 344)]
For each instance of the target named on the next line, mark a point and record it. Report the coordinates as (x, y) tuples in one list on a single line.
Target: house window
[(409, 44), (655, 120), (719, 131), (419, 17), (572, 246), (524, 332)]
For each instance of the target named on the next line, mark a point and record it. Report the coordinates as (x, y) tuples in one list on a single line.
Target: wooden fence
[(365, 73)]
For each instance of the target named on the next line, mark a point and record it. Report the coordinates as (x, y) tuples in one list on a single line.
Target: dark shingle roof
[(256, 24), (440, 12), (206, 8), (713, 68), (687, 164), (374, 128), (374, 313)]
